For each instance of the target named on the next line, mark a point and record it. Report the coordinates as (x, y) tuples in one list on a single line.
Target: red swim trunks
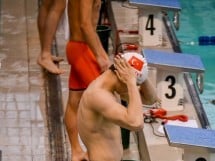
[(84, 67)]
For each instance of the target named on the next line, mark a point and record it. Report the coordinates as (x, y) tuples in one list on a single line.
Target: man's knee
[(59, 5), (54, 4), (47, 4)]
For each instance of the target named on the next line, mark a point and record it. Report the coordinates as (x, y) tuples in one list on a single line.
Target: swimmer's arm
[(88, 28), (130, 118), (148, 93), (134, 108)]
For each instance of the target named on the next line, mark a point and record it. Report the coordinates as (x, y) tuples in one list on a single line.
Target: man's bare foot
[(56, 59), (81, 156), (48, 64)]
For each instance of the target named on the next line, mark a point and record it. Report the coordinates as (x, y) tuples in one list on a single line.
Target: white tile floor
[(22, 128)]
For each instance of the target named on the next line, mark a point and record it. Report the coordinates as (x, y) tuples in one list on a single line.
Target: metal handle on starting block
[(200, 81)]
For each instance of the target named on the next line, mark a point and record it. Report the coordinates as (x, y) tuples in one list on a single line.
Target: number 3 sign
[(170, 90)]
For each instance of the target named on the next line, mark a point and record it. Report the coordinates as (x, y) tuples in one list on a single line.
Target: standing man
[(88, 60), (49, 16), (101, 114)]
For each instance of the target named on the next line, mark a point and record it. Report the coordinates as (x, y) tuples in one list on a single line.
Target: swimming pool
[(198, 19)]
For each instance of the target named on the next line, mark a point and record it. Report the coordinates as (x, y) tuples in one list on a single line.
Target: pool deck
[(23, 129)]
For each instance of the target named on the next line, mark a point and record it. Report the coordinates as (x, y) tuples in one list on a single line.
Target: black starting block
[(198, 143)]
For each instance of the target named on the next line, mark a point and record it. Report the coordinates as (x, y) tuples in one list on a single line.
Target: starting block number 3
[(170, 90)]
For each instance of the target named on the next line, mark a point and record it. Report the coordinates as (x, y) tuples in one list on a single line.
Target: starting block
[(169, 78), (165, 5), (150, 19), (198, 143)]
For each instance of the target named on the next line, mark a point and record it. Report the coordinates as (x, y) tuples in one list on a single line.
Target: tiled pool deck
[(23, 130)]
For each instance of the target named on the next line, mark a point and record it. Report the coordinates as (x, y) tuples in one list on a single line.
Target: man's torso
[(101, 136), (74, 18)]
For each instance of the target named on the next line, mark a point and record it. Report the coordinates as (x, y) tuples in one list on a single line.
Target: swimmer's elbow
[(137, 125)]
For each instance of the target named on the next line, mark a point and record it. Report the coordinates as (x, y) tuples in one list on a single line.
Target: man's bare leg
[(71, 125), (48, 19)]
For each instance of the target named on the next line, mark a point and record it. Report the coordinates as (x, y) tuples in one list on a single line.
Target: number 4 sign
[(150, 26)]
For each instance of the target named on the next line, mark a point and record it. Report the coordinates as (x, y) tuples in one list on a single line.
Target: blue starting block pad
[(164, 4), (174, 61), (188, 137)]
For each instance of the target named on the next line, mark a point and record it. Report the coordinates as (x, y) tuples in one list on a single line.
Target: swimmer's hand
[(103, 62), (124, 71)]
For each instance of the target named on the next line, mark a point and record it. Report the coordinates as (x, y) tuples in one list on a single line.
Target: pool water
[(197, 18)]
